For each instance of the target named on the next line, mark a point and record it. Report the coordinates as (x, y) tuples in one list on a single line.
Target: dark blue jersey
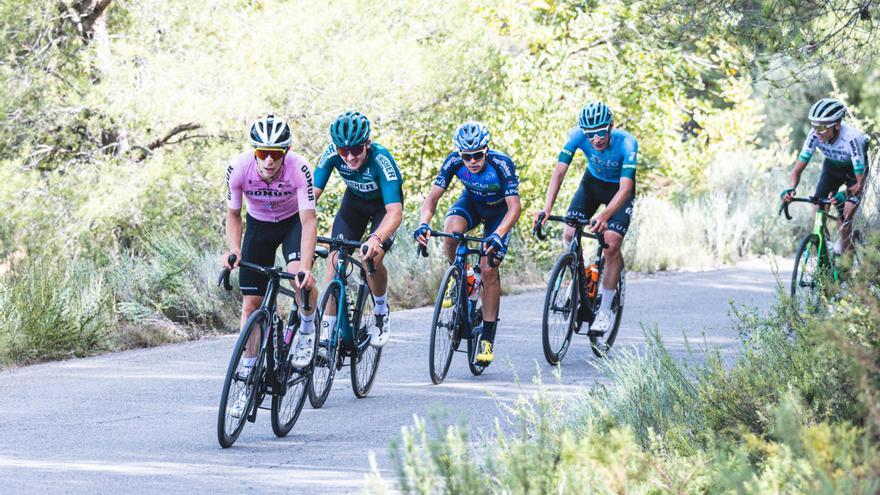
[(495, 182)]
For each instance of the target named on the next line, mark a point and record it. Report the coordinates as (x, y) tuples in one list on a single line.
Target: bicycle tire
[(807, 262), (286, 408), (600, 347), (364, 364), (227, 436), (554, 350), (324, 370), (444, 331)]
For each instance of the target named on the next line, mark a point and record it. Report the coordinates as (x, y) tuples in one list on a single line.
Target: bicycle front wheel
[(560, 304), (287, 408), (324, 364), (365, 358), (239, 386), (444, 325), (806, 275)]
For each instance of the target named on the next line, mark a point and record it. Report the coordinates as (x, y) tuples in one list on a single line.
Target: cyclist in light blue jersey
[(609, 179)]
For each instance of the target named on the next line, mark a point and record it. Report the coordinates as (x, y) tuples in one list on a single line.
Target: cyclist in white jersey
[(845, 150)]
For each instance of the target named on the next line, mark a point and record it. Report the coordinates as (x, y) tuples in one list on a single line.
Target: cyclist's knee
[(568, 233), (250, 304), (614, 241)]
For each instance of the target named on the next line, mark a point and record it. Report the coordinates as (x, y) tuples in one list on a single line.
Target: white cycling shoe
[(303, 350), (380, 332), (603, 322)]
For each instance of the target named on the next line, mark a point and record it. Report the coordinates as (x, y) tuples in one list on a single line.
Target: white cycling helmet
[(827, 110), (269, 132)]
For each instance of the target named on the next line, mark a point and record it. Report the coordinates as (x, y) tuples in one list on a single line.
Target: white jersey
[(850, 148)]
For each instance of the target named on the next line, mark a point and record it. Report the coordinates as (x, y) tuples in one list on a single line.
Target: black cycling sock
[(489, 330)]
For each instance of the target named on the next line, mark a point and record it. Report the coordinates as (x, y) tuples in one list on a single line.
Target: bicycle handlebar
[(371, 267), (223, 279), (305, 292), (422, 250), (811, 199), (575, 222)]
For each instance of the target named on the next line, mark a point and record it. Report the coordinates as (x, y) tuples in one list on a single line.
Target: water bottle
[(288, 335), (470, 279), (593, 280), (475, 287)]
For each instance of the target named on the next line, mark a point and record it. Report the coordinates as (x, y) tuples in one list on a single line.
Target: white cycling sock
[(308, 323), (607, 298), (381, 304), (249, 362)]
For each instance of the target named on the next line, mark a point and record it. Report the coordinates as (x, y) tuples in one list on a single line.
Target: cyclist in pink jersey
[(279, 194)]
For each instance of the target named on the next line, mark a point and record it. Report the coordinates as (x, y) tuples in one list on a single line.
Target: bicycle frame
[(345, 324), (820, 229)]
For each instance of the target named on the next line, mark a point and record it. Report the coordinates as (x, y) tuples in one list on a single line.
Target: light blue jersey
[(618, 160)]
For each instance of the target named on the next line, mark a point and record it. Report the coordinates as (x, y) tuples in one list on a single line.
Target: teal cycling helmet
[(350, 129), (594, 114)]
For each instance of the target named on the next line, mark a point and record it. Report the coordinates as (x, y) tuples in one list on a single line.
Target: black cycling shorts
[(594, 192), (261, 240), (833, 177), (355, 213)]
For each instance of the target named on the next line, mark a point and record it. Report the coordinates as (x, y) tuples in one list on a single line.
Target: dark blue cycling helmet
[(350, 129), (594, 114), (471, 136)]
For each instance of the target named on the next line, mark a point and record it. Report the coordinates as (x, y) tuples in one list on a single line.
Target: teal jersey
[(618, 160), (378, 178)]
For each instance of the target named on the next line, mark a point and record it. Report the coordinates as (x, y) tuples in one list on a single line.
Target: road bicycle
[(349, 338), (573, 297), (458, 311), (816, 260), (273, 373)]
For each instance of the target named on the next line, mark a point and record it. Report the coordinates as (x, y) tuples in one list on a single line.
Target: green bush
[(53, 309)]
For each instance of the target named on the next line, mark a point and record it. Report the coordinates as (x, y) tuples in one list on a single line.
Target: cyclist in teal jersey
[(610, 179), (373, 195), (845, 149)]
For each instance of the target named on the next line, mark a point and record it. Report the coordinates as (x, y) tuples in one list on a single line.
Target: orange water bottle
[(593, 280), (470, 279)]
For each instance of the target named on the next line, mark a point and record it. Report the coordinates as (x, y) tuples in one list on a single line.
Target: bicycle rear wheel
[(444, 325), (287, 408), (324, 364), (239, 385), (560, 303), (806, 276), (601, 345), (364, 363)]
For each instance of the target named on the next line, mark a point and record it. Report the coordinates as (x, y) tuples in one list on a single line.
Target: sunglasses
[(473, 156), (596, 133), (820, 128), (275, 153), (355, 150)]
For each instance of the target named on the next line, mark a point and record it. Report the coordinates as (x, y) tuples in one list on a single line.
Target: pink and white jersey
[(290, 191)]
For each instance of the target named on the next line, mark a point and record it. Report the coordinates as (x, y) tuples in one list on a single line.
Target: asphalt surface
[(144, 421)]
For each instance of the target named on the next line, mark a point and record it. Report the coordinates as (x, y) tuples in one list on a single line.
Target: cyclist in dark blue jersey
[(490, 197), (610, 180)]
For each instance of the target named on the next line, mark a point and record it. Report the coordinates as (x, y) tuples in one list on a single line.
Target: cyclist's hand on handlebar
[(308, 282), (224, 263), (373, 247), (598, 225), (422, 233), (537, 215), (837, 198), (787, 194), (493, 244)]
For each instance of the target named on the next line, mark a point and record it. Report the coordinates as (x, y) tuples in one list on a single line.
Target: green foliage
[(52, 309)]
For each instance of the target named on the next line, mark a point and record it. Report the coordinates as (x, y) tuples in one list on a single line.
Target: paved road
[(144, 421)]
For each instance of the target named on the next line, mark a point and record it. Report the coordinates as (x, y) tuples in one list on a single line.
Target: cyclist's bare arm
[(391, 221), (309, 222), (234, 228), (429, 206), (624, 192), (796, 172), (514, 208), (553, 190)]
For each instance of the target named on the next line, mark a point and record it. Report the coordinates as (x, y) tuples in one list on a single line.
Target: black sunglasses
[(473, 156)]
